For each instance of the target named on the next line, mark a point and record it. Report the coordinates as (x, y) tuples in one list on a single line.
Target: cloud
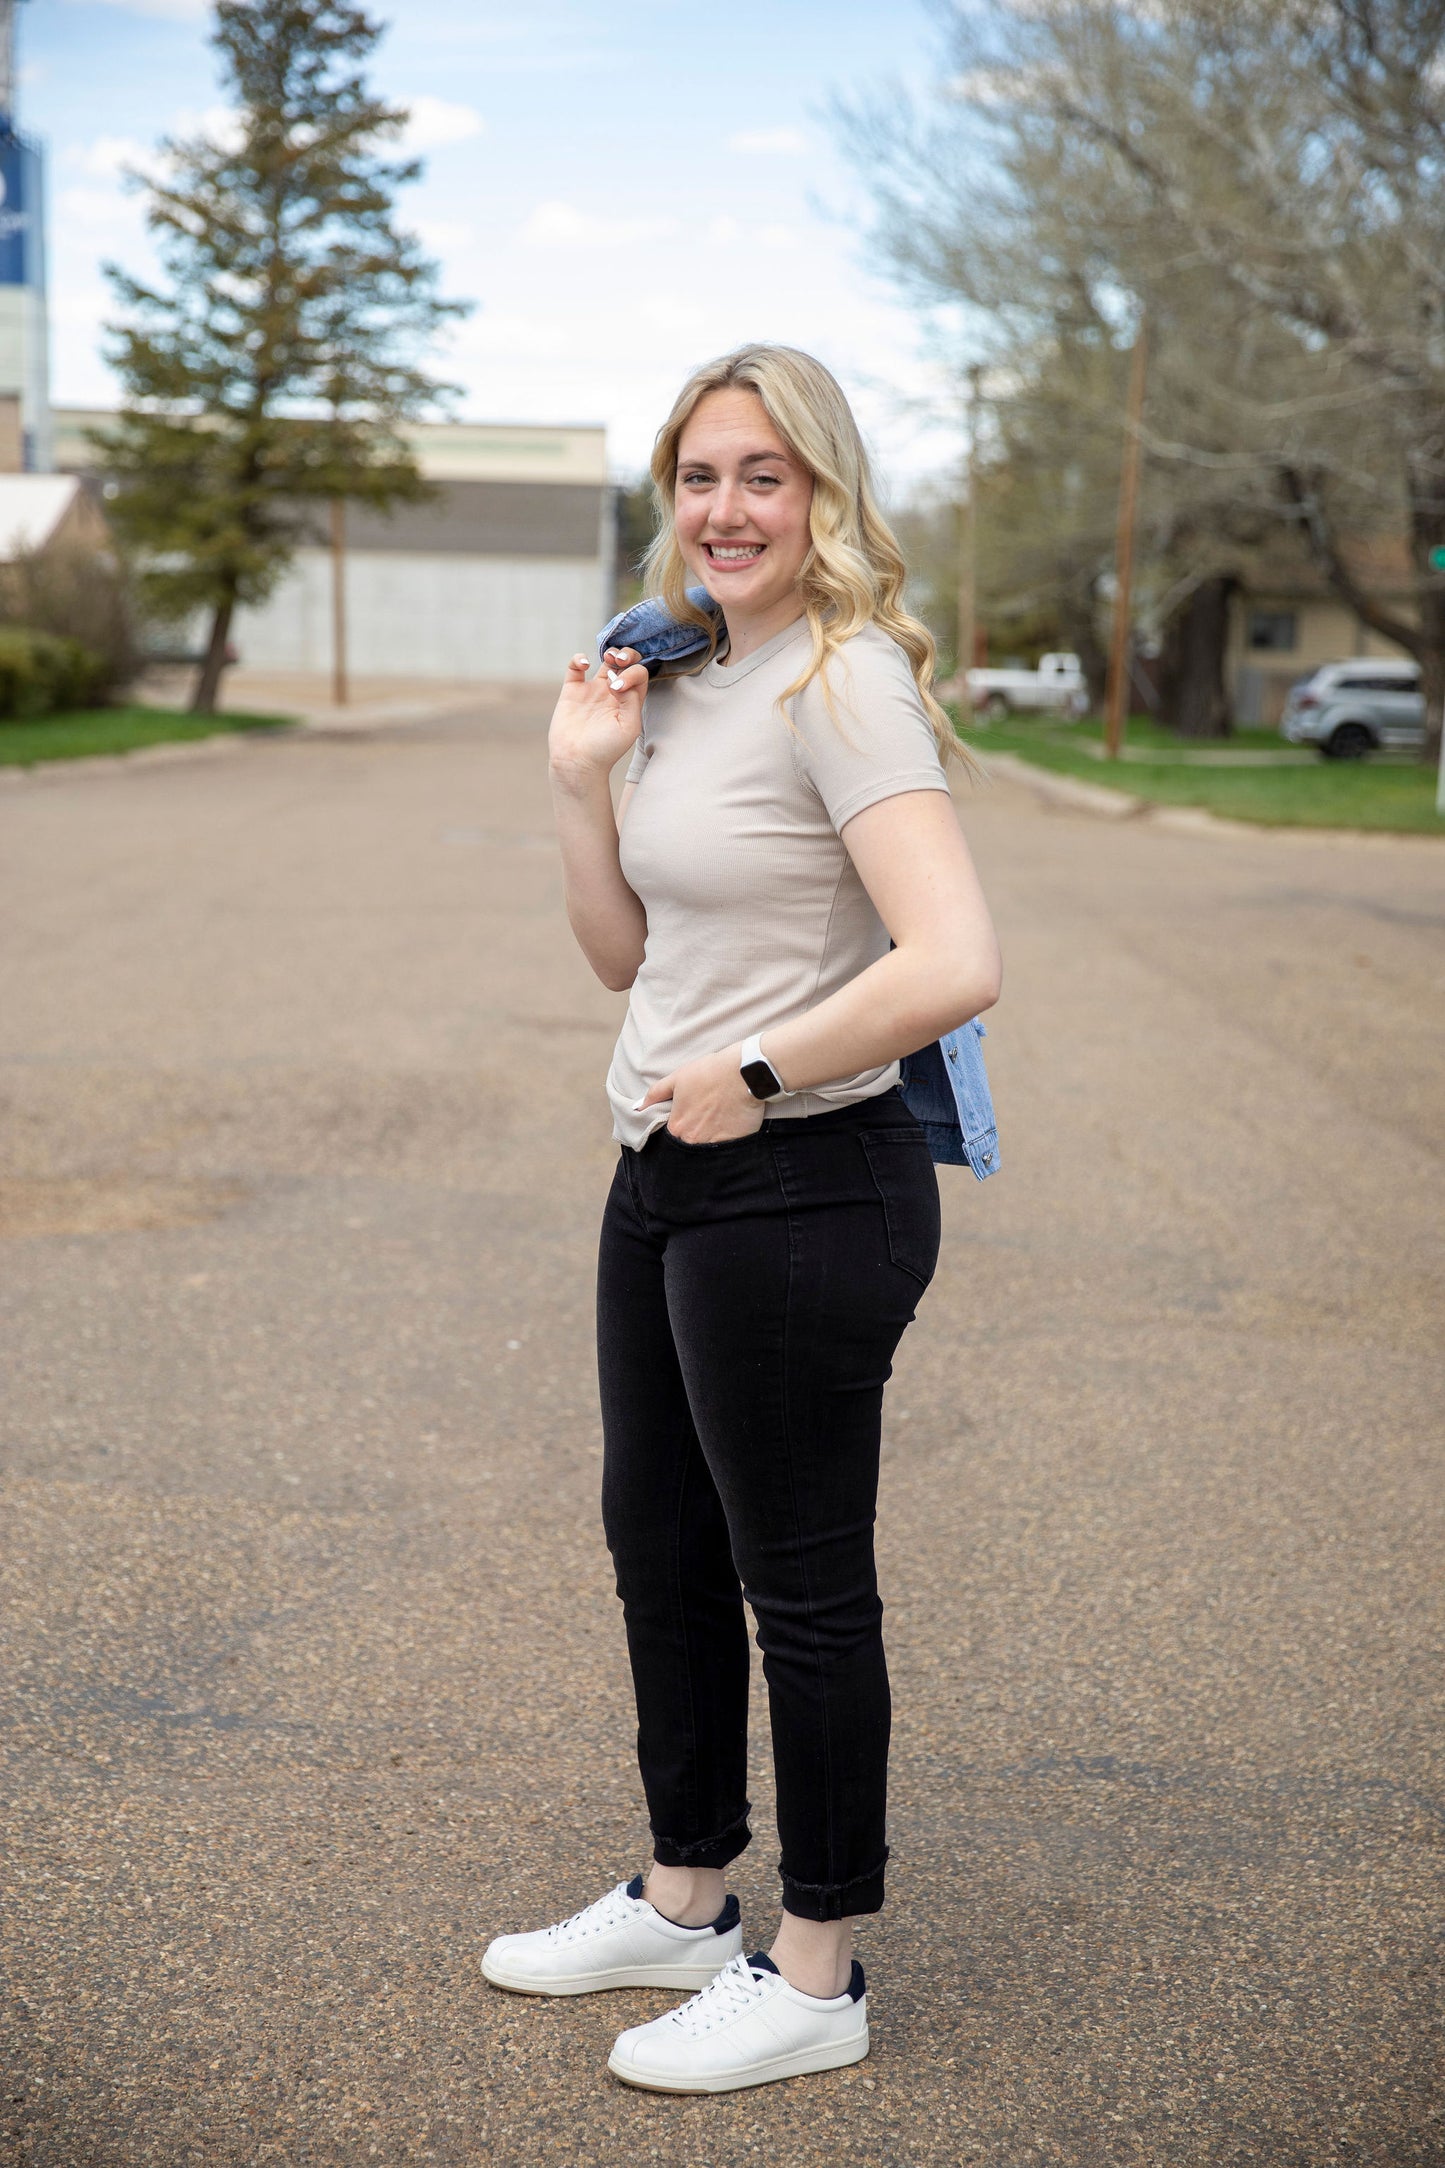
[(100, 214), (726, 232), (175, 11), (436, 121), (562, 225), (107, 157), (769, 142), (444, 236)]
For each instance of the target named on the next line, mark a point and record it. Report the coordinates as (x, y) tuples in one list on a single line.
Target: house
[(1285, 620), (47, 511), (505, 571)]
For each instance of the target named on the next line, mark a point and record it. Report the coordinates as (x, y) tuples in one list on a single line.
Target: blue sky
[(623, 186)]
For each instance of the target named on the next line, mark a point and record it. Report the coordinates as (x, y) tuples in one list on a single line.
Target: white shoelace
[(609, 1911), (735, 1989)]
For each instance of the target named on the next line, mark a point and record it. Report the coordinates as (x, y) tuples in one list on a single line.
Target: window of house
[(1276, 630)]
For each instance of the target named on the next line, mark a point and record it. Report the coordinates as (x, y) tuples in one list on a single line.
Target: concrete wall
[(433, 616)]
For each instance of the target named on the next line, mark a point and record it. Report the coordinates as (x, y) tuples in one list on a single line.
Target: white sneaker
[(746, 2028), (621, 1941)]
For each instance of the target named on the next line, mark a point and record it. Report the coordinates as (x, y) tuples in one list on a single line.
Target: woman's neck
[(747, 634)]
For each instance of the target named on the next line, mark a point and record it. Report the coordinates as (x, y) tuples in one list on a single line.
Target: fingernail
[(614, 681), (639, 1106)]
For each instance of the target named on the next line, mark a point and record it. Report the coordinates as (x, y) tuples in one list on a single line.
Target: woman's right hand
[(596, 720)]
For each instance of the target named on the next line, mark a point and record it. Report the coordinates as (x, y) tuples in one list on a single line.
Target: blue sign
[(19, 213)]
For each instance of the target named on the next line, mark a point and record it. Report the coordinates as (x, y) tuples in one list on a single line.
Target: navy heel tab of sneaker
[(729, 1917), (857, 1985)]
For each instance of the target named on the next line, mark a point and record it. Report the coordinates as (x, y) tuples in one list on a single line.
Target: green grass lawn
[(114, 730), (1387, 791)]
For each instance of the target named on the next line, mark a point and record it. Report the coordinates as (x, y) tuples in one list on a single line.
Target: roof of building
[(445, 451), (32, 506)]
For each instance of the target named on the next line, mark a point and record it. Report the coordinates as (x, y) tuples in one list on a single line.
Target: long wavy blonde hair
[(853, 573)]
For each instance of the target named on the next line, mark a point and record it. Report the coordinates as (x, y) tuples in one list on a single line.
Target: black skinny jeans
[(750, 1298)]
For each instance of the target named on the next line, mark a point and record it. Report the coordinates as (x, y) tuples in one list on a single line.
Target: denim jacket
[(945, 1085)]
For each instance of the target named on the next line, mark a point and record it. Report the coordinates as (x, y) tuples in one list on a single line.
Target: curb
[(1106, 804), (177, 752), (1065, 789)]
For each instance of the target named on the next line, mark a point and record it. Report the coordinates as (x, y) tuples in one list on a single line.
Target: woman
[(786, 893)]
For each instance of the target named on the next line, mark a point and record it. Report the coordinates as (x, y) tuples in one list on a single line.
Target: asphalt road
[(312, 1673)]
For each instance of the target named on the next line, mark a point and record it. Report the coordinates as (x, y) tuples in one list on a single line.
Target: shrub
[(76, 592), (40, 672)]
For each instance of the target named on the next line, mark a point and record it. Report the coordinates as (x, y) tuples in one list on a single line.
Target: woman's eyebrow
[(749, 459)]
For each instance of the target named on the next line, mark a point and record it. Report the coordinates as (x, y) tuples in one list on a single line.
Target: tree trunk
[(208, 684), (1194, 699), (1432, 685), (1427, 534), (1079, 625)]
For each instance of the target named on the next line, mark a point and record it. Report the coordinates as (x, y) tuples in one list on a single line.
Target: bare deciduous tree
[(1264, 178)]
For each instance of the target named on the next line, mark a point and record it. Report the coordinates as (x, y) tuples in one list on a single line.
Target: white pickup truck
[(1057, 683)]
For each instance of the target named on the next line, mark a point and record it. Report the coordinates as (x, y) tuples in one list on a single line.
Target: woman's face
[(740, 510)]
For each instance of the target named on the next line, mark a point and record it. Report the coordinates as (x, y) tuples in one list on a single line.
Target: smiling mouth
[(734, 553)]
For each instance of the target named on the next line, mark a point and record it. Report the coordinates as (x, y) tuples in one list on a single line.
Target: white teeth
[(754, 549)]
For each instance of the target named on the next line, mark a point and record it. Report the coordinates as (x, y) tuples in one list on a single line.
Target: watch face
[(760, 1080)]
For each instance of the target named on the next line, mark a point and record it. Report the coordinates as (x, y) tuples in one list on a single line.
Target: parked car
[(1057, 683), (1349, 709)]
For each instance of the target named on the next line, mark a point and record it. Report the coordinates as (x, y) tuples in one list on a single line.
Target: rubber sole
[(800, 2064), (685, 1977)]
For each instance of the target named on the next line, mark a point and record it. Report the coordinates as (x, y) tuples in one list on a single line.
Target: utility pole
[(1117, 703), (968, 547), (339, 689)]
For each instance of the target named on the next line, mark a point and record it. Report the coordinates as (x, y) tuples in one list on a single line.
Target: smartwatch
[(758, 1073)]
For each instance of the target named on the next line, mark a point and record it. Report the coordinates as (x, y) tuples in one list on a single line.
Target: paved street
[(313, 1676)]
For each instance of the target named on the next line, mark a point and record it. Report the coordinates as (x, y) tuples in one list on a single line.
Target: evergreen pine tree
[(276, 359)]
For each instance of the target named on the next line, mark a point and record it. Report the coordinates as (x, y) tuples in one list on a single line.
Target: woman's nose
[(728, 509)]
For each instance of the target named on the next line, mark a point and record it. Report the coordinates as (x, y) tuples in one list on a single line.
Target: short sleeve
[(878, 742)]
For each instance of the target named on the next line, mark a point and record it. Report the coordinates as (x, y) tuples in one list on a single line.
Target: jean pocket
[(718, 1144), (902, 1171)]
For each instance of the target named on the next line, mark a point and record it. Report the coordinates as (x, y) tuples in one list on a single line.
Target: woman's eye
[(772, 480), (697, 478)]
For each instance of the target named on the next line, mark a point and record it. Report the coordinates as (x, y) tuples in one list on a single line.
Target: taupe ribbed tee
[(732, 844)]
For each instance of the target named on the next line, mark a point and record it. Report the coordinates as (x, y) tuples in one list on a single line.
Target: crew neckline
[(717, 673)]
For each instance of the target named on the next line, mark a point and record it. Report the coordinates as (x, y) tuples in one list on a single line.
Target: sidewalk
[(374, 703)]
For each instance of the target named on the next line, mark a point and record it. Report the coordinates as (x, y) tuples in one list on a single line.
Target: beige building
[(1285, 625), (502, 574)]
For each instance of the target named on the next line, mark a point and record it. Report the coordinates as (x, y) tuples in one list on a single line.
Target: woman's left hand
[(710, 1101)]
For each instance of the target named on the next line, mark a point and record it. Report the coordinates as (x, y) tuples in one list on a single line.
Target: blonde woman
[(786, 895)]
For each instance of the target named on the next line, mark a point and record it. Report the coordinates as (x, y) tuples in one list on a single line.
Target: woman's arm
[(945, 968), (593, 725)]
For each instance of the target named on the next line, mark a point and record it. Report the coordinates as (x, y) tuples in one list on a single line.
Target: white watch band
[(752, 1050)]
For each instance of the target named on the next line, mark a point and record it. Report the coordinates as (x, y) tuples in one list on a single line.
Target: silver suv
[(1349, 709)]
